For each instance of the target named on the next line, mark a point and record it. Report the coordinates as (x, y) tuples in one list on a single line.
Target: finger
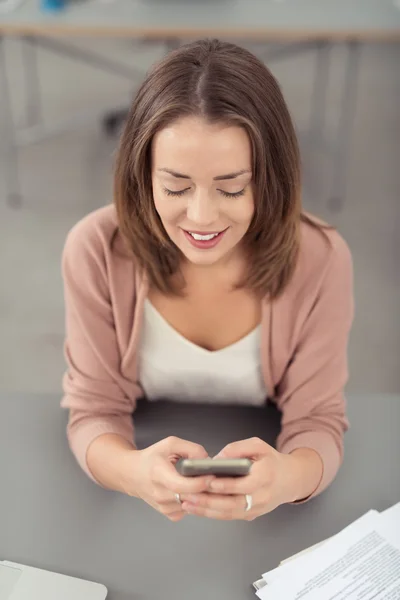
[(250, 448), (174, 513), (176, 516), (167, 499), (208, 513), (221, 515), (234, 510), (183, 448), (167, 476), (215, 502), (237, 485), (171, 509), (260, 476)]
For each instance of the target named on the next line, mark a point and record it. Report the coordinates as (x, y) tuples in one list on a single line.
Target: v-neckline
[(227, 349), (130, 359)]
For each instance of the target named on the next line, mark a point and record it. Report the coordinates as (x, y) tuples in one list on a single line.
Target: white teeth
[(199, 237)]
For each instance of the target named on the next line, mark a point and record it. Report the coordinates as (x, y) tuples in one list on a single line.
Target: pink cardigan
[(303, 352)]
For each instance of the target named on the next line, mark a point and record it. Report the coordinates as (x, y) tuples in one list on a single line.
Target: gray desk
[(53, 517), (303, 24)]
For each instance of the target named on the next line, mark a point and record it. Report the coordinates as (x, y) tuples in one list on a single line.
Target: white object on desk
[(361, 561), (19, 582)]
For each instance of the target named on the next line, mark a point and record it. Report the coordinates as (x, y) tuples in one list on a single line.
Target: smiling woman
[(207, 111), (205, 281)]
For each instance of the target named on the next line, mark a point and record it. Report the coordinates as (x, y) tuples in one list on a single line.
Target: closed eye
[(175, 194), (179, 193), (232, 194)]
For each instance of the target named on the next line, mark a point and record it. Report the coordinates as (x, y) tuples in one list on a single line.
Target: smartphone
[(219, 467)]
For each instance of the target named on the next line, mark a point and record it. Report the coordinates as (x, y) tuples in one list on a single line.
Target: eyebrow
[(218, 178)]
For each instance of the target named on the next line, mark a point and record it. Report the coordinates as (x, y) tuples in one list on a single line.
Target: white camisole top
[(171, 367)]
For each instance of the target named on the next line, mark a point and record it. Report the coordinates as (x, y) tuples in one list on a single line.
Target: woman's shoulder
[(318, 238), (321, 248), (94, 232), (94, 245)]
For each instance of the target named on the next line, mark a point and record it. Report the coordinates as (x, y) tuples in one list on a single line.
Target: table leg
[(10, 162), (342, 145), (33, 106), (319, 94), (172, 44), (114, 120), (316, 137)]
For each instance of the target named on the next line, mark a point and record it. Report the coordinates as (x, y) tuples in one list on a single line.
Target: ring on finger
[(249, 502), (178, 498)]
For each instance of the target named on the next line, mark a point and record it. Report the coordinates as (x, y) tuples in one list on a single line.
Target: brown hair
[(220, 82)]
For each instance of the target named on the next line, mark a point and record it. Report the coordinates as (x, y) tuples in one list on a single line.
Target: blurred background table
[(54, 517), (255, 19), (298, 25)]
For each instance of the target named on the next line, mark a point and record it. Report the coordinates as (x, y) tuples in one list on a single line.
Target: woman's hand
[(154, 478), (274, 479)]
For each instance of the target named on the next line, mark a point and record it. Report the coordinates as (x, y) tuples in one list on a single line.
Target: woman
[(206, 275)]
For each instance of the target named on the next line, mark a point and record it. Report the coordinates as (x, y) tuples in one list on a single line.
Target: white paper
[(296, 556), (360, 563), (287, 568)]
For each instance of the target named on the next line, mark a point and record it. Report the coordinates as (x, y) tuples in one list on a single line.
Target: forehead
[(195, 147)]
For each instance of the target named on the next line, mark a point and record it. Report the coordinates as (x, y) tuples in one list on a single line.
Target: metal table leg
[(10, 162), (113, 121), (318, 107), (172, 44), (344, 131), (33, 106), (319, 93)]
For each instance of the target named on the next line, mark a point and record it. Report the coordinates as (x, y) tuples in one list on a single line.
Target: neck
[(227, 272)]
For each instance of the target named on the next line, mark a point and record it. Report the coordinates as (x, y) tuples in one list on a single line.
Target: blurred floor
[(66, 177)]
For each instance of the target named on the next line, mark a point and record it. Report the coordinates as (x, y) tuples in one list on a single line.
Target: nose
[(202, 210)]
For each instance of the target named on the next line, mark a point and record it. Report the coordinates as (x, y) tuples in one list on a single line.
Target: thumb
[(250, 448), (183, 448)]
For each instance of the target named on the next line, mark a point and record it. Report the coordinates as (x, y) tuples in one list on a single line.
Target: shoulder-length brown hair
[(220, 82)]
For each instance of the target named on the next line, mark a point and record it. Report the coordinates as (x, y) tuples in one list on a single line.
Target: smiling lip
[(202, 232), (205, 244)]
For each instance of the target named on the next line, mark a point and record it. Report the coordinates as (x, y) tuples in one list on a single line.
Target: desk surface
[(283, 20), (53, 517)]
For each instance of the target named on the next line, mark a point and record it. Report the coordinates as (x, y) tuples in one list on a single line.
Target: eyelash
[(226, 194)]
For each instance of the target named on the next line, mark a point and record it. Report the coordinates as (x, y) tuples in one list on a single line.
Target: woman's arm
[(109, 458), (100, 400), (310, 394)]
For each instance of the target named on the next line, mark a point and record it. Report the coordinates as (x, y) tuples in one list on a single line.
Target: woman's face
[(201, 177)]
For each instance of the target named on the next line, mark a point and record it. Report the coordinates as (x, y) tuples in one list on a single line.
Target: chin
[(203, 257)]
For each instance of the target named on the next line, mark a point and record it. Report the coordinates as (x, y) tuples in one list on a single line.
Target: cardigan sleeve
[(311, 392), (98, 397)]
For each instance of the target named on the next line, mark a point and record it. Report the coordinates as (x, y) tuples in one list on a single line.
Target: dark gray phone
[(219, 467)]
